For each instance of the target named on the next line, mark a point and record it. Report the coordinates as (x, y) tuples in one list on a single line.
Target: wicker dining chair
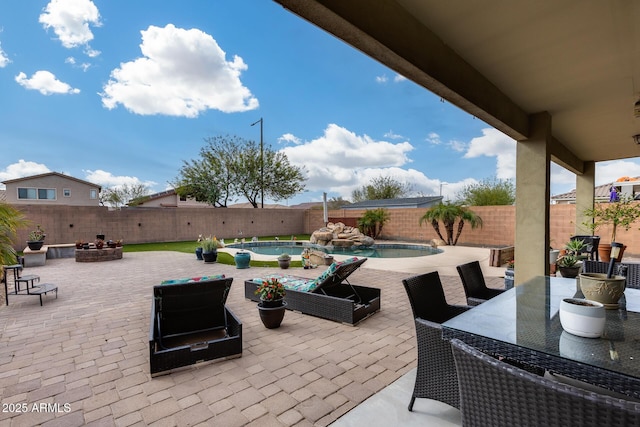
[(494, 393), (475, 288), (436, 372)]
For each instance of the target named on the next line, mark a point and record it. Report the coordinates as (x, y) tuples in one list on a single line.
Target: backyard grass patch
[(189, 247)]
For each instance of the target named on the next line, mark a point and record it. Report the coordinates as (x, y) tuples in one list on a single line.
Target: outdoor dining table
[(522, 325)]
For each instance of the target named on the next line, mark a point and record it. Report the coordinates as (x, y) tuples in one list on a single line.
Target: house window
[(66, 192), (93, 194), (36, 193), (27, 193), (46, 193)]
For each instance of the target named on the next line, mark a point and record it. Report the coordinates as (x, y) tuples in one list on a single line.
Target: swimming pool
[(384, 250)]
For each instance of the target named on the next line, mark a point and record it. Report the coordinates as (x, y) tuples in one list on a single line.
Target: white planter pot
[(553, 255), (581, 317)]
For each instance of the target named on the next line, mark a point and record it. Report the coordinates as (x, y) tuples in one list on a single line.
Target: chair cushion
[(299, 284), (191, 279)]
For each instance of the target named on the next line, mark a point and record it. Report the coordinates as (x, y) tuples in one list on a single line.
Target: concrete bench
[(34, 258)]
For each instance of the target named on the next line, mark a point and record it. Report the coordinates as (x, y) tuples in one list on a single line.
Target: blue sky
[(115, 92)]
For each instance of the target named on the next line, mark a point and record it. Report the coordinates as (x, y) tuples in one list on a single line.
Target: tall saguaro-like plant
[(448, 213)]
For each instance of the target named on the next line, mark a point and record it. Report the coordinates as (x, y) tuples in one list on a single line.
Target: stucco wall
[(66, 224)]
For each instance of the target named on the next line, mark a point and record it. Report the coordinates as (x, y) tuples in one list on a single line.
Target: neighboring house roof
[(408, 202), (42, 175), (150, 197), (601, 192)]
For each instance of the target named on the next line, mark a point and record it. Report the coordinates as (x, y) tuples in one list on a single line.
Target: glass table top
[(527, 316)]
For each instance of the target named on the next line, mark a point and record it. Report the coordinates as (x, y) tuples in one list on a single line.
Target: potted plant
[(284, 261), (36, 238), (99, 243), (210, 249), (272, 305), (570, 262), (569, 266), (79, 244), (622, 213)]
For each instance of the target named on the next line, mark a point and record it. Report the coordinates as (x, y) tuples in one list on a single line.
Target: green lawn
[(223, 257)]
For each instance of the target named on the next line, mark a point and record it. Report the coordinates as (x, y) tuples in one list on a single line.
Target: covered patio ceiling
[(502, 61)]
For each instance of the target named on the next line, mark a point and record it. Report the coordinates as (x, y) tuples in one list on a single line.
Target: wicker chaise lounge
[(330, 296), (190, 323)]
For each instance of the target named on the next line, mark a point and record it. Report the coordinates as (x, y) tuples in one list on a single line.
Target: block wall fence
[(66, 224)]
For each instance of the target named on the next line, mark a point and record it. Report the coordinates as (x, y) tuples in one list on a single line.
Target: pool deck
[(89, 348)]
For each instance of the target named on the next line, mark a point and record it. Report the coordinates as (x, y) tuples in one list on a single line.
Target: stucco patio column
[(532, 200), (585, 188)]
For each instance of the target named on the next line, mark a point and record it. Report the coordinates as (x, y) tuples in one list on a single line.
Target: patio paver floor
[(89, 349)]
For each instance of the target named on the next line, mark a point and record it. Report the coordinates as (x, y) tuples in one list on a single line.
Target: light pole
[(261, 164), (441, 184)]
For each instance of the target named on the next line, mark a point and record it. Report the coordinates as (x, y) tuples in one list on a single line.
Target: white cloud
[(494, 143), (433, 138), (382, 79), (610, 171), (398, 78), (70, 20), (107, 179), (182, 73), (44, 82), (22, 169), (458, 146), (392, 135), (289, 138), (4, 59), (340, 160)]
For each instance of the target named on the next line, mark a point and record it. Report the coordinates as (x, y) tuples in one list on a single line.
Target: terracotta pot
[(604, 251)]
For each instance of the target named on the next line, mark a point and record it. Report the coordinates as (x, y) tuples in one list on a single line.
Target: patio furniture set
[(505, 359), (190, 322)]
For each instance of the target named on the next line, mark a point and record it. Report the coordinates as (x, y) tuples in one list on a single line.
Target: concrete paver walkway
[(82, 359)]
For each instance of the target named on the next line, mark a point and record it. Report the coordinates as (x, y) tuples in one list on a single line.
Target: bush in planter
[(11, 220)]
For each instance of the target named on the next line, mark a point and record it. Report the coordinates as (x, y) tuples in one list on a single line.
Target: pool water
[(375, 251)]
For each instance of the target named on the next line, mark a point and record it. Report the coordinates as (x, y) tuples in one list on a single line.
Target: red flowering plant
[(271, 290)]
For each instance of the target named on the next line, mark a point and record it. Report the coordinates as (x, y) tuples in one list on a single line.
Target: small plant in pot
[(272, 305), (210, 249), (36, 238), (284, 260), (569, 266)]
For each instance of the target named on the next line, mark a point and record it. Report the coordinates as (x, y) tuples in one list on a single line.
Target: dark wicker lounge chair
[(190, 323), (436, 373), (475, 288), (330, 296), (494, 393), (628, 269)]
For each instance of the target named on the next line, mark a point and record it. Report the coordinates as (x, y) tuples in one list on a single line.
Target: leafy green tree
[(118, 196), (11, 220), (448, 213), (372, 221), (382, 187), (489, 192), (230, 167)]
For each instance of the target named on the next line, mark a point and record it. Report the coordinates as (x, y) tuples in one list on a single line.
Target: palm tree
[(372, 222), (449, 213), (10, 220)]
